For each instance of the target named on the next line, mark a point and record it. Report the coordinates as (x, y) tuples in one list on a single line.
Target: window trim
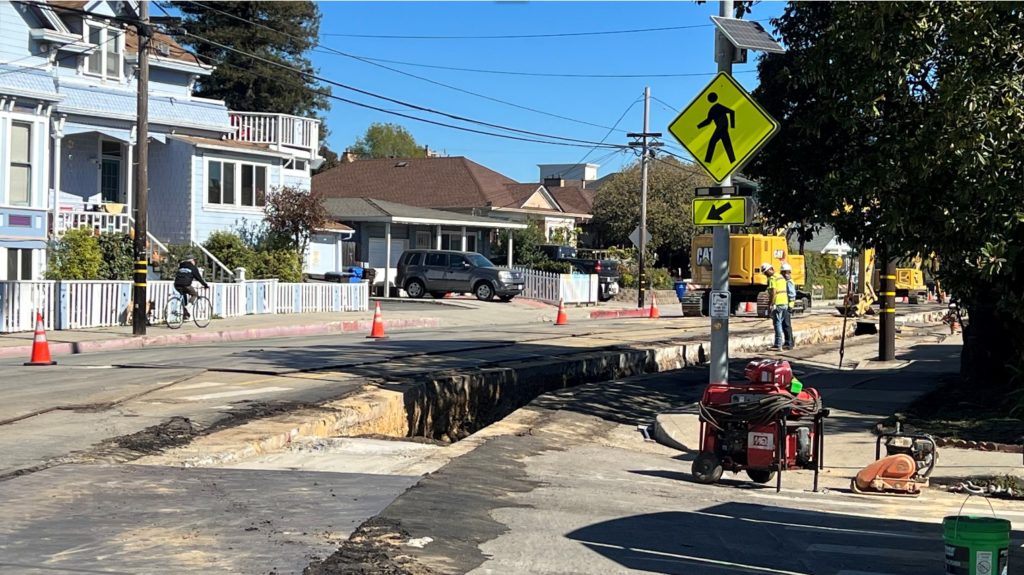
[(239, 166), (101, 51), (30, 183)]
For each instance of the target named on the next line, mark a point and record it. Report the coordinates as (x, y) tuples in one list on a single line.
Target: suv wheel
[(415, 289), (483, 291)]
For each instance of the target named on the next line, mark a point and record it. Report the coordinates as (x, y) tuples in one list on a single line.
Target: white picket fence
[(87, 304), (552, 287)]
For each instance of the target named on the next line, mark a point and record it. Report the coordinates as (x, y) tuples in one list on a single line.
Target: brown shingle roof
[(70, 4), (453, 182), (573, 199), (176, 52), (225, 143)]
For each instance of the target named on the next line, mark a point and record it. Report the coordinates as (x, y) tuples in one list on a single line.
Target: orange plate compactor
[(908, 462), (765, 425)]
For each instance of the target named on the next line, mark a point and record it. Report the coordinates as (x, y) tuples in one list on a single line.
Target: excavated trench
[(449, 406)]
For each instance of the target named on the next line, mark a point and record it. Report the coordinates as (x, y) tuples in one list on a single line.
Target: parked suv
[(440, 272)]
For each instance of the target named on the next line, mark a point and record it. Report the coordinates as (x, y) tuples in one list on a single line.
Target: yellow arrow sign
[(723, 127), (719, 211)]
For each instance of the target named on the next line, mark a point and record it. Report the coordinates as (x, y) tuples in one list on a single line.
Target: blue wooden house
[(67, 136)]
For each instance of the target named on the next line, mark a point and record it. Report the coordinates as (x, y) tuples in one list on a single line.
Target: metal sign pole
[(719, 366)]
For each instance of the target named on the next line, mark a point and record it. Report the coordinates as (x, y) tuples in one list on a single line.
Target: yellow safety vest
[(779, 285)]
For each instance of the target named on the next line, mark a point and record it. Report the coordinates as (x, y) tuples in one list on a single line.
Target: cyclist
[(187, 273)]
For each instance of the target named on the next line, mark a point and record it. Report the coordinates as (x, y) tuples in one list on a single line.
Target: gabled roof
[(451, 182), (373, 210), (573, 200)]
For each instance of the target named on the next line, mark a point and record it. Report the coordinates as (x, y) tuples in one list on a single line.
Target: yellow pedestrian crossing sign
[(723, 127), (720, 211)]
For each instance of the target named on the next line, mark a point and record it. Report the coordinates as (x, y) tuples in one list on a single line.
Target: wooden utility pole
[(141, 200), (645, 158)]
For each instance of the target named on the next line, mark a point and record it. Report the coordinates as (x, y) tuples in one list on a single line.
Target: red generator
[(763, 426)]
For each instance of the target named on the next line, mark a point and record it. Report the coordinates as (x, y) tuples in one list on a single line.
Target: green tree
[(75, 256), (230, 250), (118, 256), (525, 245), (289, 31), (285, 265), (670, 192), (387, 141), (915, 108), (295, 214)]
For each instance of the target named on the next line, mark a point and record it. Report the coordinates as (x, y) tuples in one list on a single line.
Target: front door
[(111, 188)]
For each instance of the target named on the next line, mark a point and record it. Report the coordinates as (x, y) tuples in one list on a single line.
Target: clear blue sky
[(598, 101)]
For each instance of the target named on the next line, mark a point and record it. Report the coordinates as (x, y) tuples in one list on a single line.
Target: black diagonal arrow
[(715, 213)]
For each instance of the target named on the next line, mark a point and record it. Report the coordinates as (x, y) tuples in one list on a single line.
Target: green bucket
[(976, 545)]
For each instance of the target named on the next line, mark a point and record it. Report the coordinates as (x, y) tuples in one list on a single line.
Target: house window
[(110, 171), (226, 186), (107, 60), (19, 264), (254, 186), (296, 164), (21, 164)]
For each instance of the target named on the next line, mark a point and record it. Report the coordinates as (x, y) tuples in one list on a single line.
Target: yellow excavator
[(909, 284)]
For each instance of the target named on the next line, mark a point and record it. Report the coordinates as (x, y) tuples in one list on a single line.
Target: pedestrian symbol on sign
[(724, 118)]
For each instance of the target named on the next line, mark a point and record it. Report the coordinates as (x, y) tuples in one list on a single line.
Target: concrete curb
[(436, 404), (72, 348)]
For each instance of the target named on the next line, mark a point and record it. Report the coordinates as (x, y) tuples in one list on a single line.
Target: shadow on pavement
[(741, 538)]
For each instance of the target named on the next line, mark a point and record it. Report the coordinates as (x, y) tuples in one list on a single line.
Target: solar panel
[(747, 34)]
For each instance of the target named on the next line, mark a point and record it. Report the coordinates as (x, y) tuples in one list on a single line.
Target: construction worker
[(778, 303), (787, 323)]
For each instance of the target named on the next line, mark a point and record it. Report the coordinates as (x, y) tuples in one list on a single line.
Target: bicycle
[(201, 313)]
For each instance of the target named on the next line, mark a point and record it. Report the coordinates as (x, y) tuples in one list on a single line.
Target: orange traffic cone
[(40, 347), (751, 307), (377, 331), (562, 318), (654, 314)]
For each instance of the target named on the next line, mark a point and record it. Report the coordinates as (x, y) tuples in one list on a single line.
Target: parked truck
[(607, 271), (746, 282)]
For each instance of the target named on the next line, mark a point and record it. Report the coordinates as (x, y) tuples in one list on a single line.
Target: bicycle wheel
[(202, 311), (173, 313)]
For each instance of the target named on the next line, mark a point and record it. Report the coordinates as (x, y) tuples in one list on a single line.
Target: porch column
[(338, 264), (58, 137), (387, 256), (130, 182), (438, 241), (463, 238), (510, 248)]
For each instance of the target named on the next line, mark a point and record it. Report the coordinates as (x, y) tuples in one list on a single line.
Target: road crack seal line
[(99, 406)]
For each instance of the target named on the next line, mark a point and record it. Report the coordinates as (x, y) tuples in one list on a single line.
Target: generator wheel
[(760, 475), (707, 468)]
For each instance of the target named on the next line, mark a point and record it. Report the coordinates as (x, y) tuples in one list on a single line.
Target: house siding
[(170, 185), (79, 173), (15, 43), (209, 219), (293, 181)]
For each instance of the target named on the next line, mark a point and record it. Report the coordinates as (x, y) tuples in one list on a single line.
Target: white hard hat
[(786, 267), (765, 267)]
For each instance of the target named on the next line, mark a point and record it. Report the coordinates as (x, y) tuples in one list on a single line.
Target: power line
[(610, 130), (543, 74), (424, 120), (47, 63), (324, 49), (393, 100), (517, 36)]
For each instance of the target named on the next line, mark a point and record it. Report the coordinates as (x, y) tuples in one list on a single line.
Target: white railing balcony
[(281, 130), (96, 221)]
